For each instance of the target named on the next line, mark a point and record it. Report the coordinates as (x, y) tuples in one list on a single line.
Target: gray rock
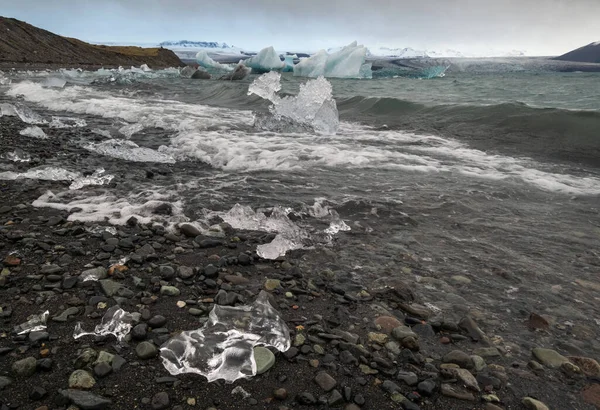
[(157, 321), (475, 333), (457, 392), (390, 387), (460, 358), (549, 358), (185, 272), (166, 272), (85, 400), (65, 315), (145, 251), (169, 291), (265, 359), (211, 271), (426, 387), (50, 269), (98, 273), (146, 350), (102, 369), (110, 287), (25, 367), (402, 332), (139, 331), (533, 404), (81, 379), (325, 381), (464, 376), (335, 399), (189, 230), (486, 352), (409, 378), (37, 393), (160, 401), (4, 382), (35, 337)]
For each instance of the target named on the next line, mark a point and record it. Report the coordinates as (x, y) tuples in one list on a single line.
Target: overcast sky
[(540, 27)]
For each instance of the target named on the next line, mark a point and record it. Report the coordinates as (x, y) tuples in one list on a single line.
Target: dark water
[(482, 191)]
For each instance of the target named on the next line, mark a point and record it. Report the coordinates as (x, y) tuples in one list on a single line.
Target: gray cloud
[(538, 26)]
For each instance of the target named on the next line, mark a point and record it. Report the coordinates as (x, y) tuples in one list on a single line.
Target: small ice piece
[(67, 122), (8, 110), (129, 151), (266, 60), (116, 322), (43, 173), (239, 390), (145, 68), (18, 155), (337, 224), (28, 116), (34, 323), (100, 229), (34, 132), (223, 347), (130, 129), (312, 109), (277, 247), (4, 80), (97, 178), (55, 82), (205, 61)]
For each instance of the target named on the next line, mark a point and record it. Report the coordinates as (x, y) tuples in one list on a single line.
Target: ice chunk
[(145, 68), (223, 347), (34, 132), (312, 109), (67, 122), (266, 60), (337, 224), (8, 110), (289, 63), (4, 80), (129, 151), (205, 61), (18, 155), (349, 62), (55, 82), (28, 116), (116, 322), (97, 178), (34, 323), (130, 129), (44, 173), (289, 235)]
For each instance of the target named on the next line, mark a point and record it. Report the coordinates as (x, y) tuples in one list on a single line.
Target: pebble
[(264, 358), (306, 398), (454, 391), (408, 378), (157, 321), (464, 376), (4, 382), (325, 381), (169, 291), (37, 393), (387, 323), (280, 394), (25, 367), (81, 379), (533, 404), (458, 357), (426, 387), (86, 400), (160, 401), (549, 358), (146, 350), (401, 332)]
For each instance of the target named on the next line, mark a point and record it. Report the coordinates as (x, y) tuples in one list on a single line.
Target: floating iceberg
[(313, 109), (205, 61), (349, 62), (223, 347), (289, 63), (266, 60), (129, 151), (97, 178), (115, 322)]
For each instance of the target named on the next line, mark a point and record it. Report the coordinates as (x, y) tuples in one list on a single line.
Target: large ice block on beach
[(224, 347), (349, 62), (205, 61), (313, 109), (266, 60)]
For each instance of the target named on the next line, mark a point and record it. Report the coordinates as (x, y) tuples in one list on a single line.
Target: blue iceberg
[(289, 63), (349, 62), (266, 60), (205, 61)]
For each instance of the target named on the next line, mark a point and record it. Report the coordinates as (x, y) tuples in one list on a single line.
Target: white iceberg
[(349, 62), (266, 60), (224, 347), (313, 109), (205, 61)]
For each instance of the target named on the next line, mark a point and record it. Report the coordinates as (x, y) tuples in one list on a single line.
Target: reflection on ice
[(312, 109), (115, 322), (35, 323), (223, 347)]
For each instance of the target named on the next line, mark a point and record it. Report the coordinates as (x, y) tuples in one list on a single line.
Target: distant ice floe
[(266, 60), (313, 109), (115, 321), (349, 62), (224, 347)]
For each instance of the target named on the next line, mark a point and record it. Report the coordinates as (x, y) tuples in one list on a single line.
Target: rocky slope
[(585, 54), (23, 44)]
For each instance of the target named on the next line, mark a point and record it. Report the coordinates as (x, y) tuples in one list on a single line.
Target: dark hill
[(585, 54), (24, 44)]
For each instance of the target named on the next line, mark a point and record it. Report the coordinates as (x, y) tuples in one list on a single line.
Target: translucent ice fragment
[(145, 68), (223, 347), (266, 60), (115, 322), (43, 173), (277, 247), (67, 122), (313, 108), (34, 132), (337, 224), (28, 116), (18, 155), (34, 323), (8, 110), (97, 178), (4, 80), (55, 82), (129, 151), (130, 129)]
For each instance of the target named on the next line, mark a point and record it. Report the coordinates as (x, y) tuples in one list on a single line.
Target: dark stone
[(157, 321), (201, 75), (207, 243), (291, 353), (244, 259), (163, 209), (211, 271), (424, 331), (85, 400), (37, 393), (189, 231), (35, 337), (306, 398), (102, 369), (475, 333), (325, 381), (69, 282), (426, 387), (390, 387), (160, 401), (335, 399), (139, 331)]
